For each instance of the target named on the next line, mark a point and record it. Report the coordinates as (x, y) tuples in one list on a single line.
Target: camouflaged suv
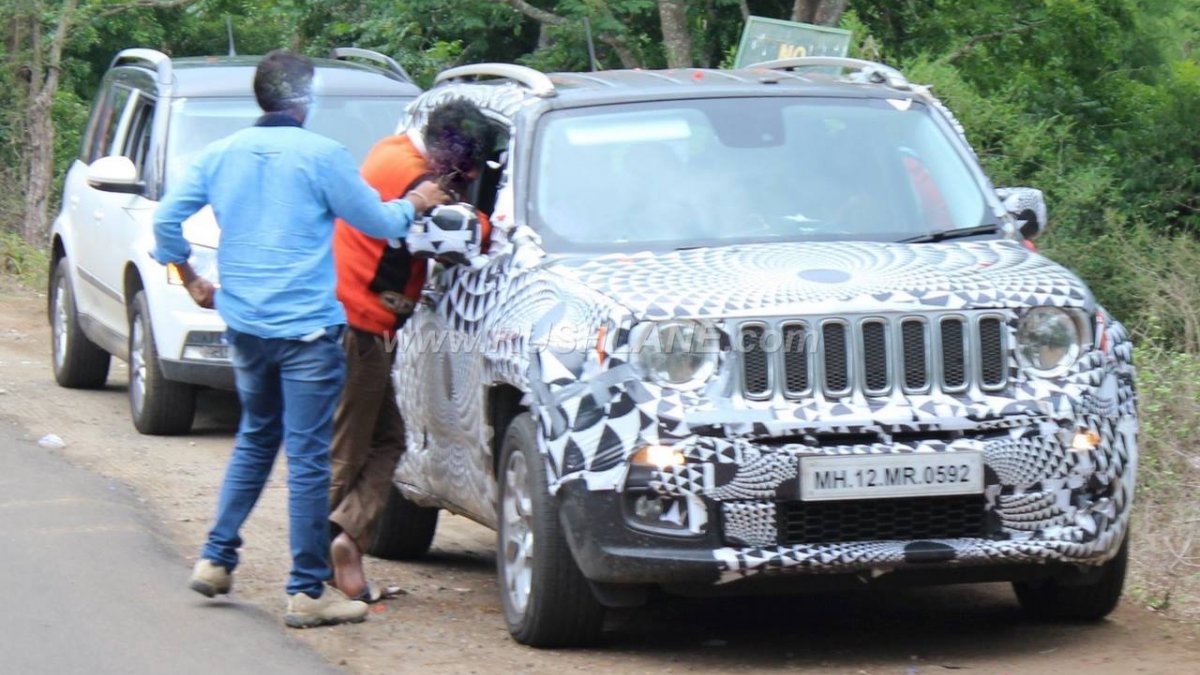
[(769, 328)]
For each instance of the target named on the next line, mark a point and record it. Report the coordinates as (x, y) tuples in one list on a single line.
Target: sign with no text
[(770, 39)]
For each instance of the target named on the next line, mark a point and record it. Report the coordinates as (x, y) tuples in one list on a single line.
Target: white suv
[(107, 296)]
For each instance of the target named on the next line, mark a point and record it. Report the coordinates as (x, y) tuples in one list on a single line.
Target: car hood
[(828, 278), (201, 228)]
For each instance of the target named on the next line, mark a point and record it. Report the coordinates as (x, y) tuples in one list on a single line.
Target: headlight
[(203, 262), (1048, 340), (680, 354)]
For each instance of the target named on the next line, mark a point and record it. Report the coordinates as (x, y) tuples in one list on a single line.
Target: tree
[(42, 66), (820, 12), (677, 39)]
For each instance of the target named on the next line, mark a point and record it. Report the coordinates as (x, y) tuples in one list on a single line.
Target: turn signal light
[(1085, 440), (658, 456)]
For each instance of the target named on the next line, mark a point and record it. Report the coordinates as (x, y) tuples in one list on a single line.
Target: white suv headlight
[(204, 263), (1048, 341), (682, 354)]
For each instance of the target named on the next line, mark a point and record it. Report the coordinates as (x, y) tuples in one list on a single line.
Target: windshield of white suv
[(685, 173), (356, 122)]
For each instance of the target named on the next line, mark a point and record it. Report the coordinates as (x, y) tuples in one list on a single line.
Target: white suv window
[(106, 123)]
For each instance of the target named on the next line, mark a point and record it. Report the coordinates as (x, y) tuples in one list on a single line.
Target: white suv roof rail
[(389, 64), (152, 57), (537, 82), (874, 72)]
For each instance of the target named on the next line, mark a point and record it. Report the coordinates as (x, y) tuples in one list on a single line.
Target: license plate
[(896, 475)]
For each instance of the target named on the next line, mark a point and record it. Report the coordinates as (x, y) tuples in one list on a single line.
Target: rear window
[(356, 122)]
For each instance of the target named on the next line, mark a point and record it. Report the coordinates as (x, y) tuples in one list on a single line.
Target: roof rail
[(874, 72), (538, 82), (152, 57), (389, 64)]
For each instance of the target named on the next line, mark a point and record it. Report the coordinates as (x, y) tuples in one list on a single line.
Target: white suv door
[(98, 296), (124, 229)]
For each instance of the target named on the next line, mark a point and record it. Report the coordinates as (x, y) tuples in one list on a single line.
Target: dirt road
[(449, 621)]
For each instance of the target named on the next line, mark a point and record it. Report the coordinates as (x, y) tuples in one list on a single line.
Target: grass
[(1166, 526), (25, 263)]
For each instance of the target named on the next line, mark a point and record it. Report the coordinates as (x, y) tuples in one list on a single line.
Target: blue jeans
[(288, 389)]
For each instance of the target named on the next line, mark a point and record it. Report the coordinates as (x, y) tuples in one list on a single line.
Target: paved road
[(88, 585)]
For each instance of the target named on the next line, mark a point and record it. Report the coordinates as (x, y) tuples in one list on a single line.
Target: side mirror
[(452, 234), (1027, 206), (115, 174)]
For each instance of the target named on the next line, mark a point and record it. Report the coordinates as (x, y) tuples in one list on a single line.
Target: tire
[(78, 363), (1089, 601), (546, 599), (405, 530), (158, 406)]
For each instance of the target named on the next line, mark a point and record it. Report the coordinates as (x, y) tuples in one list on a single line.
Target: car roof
[(506, 89), (221, 76), (617, 85)]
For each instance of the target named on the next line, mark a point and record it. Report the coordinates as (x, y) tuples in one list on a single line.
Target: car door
[(446, 356), (87, 206), (125, 230)]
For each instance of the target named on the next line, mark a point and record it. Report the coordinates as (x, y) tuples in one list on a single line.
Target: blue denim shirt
[(275, 189)]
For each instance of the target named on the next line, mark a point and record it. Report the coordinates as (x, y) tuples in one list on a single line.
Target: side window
[(137, 140), (106, 123), (482, 191)]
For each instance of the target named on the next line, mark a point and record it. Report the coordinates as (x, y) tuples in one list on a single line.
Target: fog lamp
[(659, 514), (205, 346), (658, 456)]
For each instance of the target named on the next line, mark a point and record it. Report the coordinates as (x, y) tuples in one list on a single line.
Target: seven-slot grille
[(875, 356)]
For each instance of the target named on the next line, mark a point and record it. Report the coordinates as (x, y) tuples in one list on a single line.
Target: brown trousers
[(368, 438)]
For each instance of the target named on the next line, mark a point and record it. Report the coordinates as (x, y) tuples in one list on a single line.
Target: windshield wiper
[(943, 235)]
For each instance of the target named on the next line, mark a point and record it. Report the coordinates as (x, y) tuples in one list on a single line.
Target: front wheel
[(1090, 600), (547, 601), (159, 407)]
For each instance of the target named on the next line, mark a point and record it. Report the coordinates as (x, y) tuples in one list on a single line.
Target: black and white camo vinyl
[(1049, 503), (535, 320)]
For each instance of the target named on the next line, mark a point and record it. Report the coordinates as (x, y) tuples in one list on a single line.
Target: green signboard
[(771, 39)]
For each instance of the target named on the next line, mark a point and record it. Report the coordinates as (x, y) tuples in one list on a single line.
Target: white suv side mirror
[(114, 174)]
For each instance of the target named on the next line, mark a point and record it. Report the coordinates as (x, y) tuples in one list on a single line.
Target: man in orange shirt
[(379, 286)]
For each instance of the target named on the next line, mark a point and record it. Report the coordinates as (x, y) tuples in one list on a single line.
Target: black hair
[(458, 138), (283, 81)]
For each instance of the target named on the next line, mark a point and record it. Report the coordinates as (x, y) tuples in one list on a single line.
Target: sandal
[(373, 593)]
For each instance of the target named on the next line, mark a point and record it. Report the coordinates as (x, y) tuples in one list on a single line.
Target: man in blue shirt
[(276, 188)]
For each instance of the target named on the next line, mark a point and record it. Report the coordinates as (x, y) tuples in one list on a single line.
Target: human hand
[(426, 196), (202, 291)]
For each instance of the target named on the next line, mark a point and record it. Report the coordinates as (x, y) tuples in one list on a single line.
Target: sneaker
[(210, 579), (333, 607)]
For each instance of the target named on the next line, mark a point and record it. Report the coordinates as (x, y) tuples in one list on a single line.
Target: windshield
[(355, 122), (714, 171)]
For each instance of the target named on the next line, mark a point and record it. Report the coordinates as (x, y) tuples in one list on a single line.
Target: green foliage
[(18, 259), (1167, 520)]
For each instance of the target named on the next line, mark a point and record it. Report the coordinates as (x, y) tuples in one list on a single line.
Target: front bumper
[(1042, 503), (206, 374)]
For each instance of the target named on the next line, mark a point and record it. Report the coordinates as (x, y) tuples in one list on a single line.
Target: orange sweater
[(391, 167)]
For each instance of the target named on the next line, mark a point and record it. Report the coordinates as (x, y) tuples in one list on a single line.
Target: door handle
[(74, 200), (98, 215)]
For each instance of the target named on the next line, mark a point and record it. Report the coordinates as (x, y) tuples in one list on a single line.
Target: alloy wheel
[(517, 532), (62, 322), (137, 364)]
